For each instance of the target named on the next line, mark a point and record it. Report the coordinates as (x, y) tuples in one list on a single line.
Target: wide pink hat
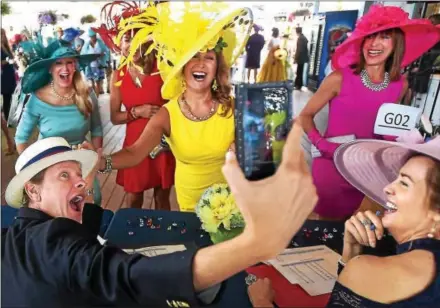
[(370, 165), (420, 35)]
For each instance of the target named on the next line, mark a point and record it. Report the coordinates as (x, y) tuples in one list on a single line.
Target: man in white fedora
[(51, 256)]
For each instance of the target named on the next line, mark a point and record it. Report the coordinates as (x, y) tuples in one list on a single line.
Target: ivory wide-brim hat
[(420, 35), (41, 155), (370, 165)]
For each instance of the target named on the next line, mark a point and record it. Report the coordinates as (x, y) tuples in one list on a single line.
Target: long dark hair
[(394, 61), (223, 92), (433, 181)]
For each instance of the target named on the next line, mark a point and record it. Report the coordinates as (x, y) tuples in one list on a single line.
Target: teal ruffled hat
[(37, 75)]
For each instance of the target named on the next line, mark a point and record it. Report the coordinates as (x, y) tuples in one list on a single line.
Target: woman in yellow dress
[(274, 67), (195, 52)]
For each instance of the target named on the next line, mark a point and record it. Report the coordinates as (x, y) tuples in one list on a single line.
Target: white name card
[(394, 120)]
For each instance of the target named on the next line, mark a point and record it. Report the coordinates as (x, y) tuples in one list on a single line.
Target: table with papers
[(133, 229)]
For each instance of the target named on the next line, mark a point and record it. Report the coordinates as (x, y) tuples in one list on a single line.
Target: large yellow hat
[(179, 30)]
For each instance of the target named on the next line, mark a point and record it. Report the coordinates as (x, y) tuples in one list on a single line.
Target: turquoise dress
[(60, 121)]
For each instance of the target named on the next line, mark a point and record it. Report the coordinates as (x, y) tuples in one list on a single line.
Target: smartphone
[(263, 118)]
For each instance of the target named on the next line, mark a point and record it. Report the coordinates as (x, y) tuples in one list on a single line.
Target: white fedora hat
[(41, 155)]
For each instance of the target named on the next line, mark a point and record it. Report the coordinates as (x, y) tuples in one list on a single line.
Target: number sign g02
[(394, 120)]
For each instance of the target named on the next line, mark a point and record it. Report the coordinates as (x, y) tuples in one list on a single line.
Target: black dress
[(429, 298), (8, 81), (253, 49)]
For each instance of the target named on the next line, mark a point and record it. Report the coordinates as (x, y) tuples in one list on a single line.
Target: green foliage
[(88, 19), (5, 8)]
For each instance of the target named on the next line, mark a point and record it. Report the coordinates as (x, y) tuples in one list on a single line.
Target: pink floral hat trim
[(420, 35)]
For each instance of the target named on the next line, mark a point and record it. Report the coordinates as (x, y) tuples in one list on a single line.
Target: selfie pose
[(404, 178), (367, 75), (194, 57), (51, 256)]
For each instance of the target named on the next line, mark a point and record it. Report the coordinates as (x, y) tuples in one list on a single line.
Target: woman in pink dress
[(367, 75)]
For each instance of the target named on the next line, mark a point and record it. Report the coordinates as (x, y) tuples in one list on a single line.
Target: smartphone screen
[(263, 116)]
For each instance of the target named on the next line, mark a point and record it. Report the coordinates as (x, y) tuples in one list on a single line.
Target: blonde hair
[(81, 97)]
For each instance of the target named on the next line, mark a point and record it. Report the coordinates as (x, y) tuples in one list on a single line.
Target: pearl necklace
[(193, 116), (63, 98), (366, 81)]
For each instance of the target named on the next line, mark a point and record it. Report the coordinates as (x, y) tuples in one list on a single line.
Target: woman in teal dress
[(61, 103)]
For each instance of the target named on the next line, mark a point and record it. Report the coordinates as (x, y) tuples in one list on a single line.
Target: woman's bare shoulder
[(369, 276)]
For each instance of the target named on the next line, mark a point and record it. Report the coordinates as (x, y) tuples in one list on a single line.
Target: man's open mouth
[(76, 203)]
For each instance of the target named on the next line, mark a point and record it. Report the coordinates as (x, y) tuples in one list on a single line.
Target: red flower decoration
[(379, 16)]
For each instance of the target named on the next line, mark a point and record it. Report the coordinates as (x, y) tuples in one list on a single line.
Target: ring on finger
[(251, 279), (366, 222)]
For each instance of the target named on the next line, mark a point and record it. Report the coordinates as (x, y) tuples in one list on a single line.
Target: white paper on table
[(339, 139), (314, 268), (154, 251)]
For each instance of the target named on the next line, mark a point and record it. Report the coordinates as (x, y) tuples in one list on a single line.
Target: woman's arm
[(116, 115), (26, 125), (96, 124), (329, 88), (150, 137)]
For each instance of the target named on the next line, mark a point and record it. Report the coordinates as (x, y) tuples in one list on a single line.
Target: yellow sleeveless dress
[(199, 149)]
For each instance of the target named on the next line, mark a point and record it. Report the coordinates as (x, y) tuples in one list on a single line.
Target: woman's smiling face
[(200, 71), (62, 72)]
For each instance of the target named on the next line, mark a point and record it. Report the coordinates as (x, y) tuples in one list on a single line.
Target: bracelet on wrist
[(130, 116), (90, 192), (133, 112), (342, 262), (108, 165)]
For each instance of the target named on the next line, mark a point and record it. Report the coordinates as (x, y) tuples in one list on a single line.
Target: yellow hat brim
[(172, 86)]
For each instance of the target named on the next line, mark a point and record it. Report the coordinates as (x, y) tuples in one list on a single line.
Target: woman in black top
[(8, 74), (411, 278)]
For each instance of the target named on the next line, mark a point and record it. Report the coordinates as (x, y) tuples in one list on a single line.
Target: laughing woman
[(409, 189), (194, 55), (61, 104), (368, 75)]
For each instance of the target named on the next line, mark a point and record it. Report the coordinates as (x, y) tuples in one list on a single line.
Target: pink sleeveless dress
[(353, 111)]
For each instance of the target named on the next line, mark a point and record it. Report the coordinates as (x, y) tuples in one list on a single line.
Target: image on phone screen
[(263, 114)]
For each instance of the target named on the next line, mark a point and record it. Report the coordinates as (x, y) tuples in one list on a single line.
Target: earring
[(214, 85), (183, 85), (431, 234)]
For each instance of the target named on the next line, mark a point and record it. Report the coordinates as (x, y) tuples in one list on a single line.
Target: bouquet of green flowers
[(219, 213)]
